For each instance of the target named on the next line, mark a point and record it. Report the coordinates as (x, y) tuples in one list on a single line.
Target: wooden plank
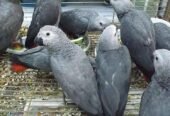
[(136, 91), (133, 107), (131, 113)]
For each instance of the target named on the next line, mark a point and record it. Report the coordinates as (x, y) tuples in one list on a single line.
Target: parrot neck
[(121, 15), (121, 11), (64, 48), (163, 80)]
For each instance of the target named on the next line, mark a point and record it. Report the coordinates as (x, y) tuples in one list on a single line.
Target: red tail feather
[(18, 68)]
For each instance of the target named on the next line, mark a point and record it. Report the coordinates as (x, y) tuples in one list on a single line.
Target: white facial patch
[(155, 60), (114, 35), (111, 30), (109, 39), (159, 60), (47, 36), (101, 22)]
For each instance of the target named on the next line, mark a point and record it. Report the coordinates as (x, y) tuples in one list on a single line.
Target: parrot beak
[(39, 41)]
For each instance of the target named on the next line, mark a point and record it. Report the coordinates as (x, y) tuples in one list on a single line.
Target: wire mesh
[(150, 6)]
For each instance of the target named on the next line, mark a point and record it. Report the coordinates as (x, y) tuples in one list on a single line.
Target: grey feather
[(46, 12), (158, 20), (77, 22), (11, 18), (162, 36), (34, 58), (137, 33)]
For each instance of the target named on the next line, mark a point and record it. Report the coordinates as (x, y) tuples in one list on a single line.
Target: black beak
[(39, 41)]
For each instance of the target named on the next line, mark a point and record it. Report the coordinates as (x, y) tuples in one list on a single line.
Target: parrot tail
[(18, 68)]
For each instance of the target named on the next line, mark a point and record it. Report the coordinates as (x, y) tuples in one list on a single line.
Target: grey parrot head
[(109, 39), (121, 6), (50, 36), (99, 23), (161, 60)]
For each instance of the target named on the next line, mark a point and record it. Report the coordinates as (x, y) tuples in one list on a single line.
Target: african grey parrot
[(156, 97), (71, 68), (77, 22), (11, 18), (137, 33), (113, 65), (46, 12)]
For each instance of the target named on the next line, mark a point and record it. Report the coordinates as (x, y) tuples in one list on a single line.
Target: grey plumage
[(35, 58), (92, 62), (113, 67), (46, 12), (155, 99), (162, 36), (158, 20), (71, 68), (11, 18), (137, 33), (76, 22)]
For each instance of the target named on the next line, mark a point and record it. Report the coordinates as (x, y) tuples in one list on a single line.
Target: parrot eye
[(156, 58), (47, 33), (101, 24)]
